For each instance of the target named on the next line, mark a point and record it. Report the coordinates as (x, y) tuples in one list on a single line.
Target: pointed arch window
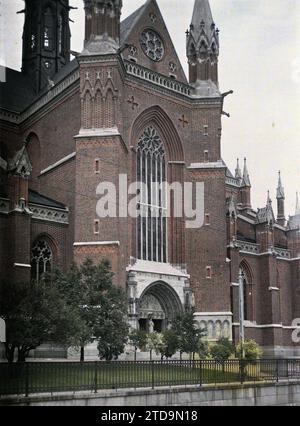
[(152, 220), (41, 259), (61, 34), (247, 293), (48, 29)]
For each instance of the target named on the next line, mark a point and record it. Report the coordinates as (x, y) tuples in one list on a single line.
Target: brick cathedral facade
[(124, 106)]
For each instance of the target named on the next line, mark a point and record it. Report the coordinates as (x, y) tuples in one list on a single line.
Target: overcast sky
[(259, 60)]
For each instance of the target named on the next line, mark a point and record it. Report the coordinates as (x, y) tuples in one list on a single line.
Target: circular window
[(152, 45)]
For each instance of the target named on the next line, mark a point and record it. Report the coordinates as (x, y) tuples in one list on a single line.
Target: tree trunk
[(82, 354), (135, 350), (10, 352), (22, 355)]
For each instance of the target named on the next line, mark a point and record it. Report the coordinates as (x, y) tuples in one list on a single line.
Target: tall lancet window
[(60, 34), (152, 221), (48, 29)]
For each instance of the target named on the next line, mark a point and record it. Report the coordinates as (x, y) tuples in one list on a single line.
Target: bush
[(252, 350), (222, 350)]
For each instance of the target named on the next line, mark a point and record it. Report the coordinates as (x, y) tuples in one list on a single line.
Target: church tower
[(99, 145), (46, 40), (102, 20), (203, 50)]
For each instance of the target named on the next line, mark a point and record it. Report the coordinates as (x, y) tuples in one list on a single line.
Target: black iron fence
[(51, 377)]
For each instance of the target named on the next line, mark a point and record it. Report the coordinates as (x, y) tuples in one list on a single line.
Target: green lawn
[(59, 377)]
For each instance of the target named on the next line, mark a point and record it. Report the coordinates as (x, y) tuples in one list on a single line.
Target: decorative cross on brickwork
[(183, 121), (132, 102)]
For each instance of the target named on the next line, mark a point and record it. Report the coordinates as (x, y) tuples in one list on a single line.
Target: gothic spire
[(246, 178), (280, 203), (297, 205), (238, 171), (203, 50), (202, 20), (280, 188), (269, 201)]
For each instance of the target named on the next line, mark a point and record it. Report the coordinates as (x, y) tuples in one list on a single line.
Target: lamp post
[(242, 310)]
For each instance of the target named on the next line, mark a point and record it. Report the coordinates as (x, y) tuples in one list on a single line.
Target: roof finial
[(280, 188)]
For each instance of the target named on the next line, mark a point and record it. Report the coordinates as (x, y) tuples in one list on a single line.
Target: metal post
[(200, 371), (152, 373), (96, 377), (26, 365), (242, 307)]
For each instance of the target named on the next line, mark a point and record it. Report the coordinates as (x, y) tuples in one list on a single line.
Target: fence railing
[(52, 377)]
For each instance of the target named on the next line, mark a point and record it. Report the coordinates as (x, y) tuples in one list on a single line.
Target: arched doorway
[(158, 307)]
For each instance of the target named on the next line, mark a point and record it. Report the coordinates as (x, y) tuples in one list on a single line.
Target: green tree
[(154, 342), (35, 313), (169, 344), (189, 333), (101, 306), (252, 350), (111, 327), (138, 339), (222, 350)]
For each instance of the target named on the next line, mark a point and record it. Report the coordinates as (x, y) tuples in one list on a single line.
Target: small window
[(97, 166), (205, 130), (33, 42), (96, 227), (206, 156), (207, 219), (208, 272)]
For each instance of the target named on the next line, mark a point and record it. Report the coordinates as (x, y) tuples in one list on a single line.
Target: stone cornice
[(165, 84), (49, 214)]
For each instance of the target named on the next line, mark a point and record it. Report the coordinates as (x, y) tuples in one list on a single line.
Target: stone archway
[(158, 304)]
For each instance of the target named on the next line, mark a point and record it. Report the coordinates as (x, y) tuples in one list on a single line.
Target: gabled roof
[(266, 215)]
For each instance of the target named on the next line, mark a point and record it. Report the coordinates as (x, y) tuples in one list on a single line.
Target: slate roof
[(17, 92), (42, 200), (129, 22)]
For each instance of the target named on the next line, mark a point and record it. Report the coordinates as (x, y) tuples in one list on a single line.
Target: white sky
[(259, 60)]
